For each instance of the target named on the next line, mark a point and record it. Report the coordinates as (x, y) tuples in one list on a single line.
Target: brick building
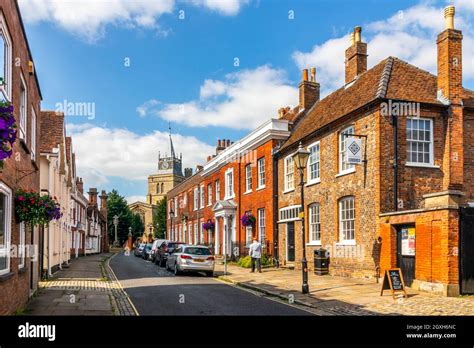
[(400, 207), (236, 180), (18, 272)]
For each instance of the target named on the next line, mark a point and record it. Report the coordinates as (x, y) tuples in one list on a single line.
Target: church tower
[(170, 174)]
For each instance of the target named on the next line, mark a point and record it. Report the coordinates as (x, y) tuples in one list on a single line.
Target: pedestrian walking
[(255, 253)]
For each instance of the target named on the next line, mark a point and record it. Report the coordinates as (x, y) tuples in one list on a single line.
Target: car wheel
[(176, 269), (210, 273)]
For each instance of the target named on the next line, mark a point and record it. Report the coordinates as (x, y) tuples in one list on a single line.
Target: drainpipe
[(395, 162), (275, 207)]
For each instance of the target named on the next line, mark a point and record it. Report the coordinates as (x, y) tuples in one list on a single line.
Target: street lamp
[(150, 227), (116, 220), (300, 160)]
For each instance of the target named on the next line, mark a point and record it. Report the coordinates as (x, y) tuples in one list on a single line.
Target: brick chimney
[(80, 185), (450, 91), (220, 146), (309, 90), (103, 200), (92, 196), (356, 56), (450, 59)]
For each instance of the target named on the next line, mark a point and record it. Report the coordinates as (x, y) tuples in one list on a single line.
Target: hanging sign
[(353, 150)]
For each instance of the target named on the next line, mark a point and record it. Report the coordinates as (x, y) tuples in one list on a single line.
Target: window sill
[(248, 192), (313, 244), (346, 243), (260, 188), (346, 172), (227, 198), (421, 165), (288, 191), (6, 276), (22, 270), (314, 182)]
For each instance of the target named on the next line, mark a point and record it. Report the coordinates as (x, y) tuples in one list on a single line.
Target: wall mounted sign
[(353, 150)]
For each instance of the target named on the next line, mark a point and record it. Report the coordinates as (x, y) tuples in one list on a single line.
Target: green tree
[(159, 219), (117, 206)]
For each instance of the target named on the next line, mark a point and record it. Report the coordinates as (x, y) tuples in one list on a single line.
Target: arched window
[(162, 188), (158, 188)]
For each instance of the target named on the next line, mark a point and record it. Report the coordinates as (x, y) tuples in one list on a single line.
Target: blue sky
[(183, 71)]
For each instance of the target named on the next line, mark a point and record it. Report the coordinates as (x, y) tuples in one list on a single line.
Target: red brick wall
[(14, 289), (468, 183)]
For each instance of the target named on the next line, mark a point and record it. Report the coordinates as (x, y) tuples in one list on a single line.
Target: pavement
[(330, 295), (155, 291), (86, 287)]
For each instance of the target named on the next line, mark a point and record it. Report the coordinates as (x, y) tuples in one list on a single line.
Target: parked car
[(191, 258), (164, 250), (139, 250), (154, 249), (147, 251)]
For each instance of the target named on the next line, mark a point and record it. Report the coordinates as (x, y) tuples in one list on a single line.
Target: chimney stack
[(450, 91), (356, 56), (220, 146), (309, 90), (228, 143), (80, 185), (92, 196), (103, 200)]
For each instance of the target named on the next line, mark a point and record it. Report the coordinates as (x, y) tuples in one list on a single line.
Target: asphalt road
[(155, 291)]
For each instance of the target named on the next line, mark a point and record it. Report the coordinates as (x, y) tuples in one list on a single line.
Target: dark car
[(147, 251), (164, 250), (139, 249)]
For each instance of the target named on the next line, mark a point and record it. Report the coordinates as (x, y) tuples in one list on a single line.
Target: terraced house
[(406, 205), (19, 85)]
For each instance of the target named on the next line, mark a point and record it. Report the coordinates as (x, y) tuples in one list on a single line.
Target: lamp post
[(300, 160), (172, 217), (150, 234), (116, 220)]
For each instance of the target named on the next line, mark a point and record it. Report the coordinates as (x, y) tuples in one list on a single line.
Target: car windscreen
[(197, 251), (148, 246), (173, 245)]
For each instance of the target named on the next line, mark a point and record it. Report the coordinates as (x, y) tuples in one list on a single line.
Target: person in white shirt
[(255, 252)]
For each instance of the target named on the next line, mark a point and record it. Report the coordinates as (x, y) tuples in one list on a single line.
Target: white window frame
[(314, 214), (248, 178), (23, 124), (229, 184), (33, 134), (290, 213), (6, 89), (344, 221), (217, 184), (21, 246), (345, 168), (317, 162), (5, 248), (262, 231), (289, 185), (201, 232), (195, 232), (430, 142), (196, 199), (201, 196), (248, 235), (261, 173), (209, 194)]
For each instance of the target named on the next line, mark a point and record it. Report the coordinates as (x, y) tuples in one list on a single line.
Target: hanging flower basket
[(7, 131), (248, 220), (34, 209), (209, 225)]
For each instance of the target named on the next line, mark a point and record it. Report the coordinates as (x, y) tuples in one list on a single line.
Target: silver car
[(191, 258)]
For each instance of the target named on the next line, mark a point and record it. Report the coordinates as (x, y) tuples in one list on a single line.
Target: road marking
[(120, 285)]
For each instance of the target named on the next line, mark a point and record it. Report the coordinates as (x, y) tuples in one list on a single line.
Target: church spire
[(171, 143)]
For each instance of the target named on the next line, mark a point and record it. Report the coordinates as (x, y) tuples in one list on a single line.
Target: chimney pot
[(352, 38), (305, 74), (357, 34), (228, 142), (313, 74), (449, 13), (219, 143)]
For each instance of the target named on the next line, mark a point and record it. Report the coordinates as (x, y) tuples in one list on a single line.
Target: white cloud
[(133, 199), (409, 35), (243, 100), (144, 109), (225, 7), (88, 19), (127, 155)]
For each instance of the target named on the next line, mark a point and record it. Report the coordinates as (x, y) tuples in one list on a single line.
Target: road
[(155, 291)]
